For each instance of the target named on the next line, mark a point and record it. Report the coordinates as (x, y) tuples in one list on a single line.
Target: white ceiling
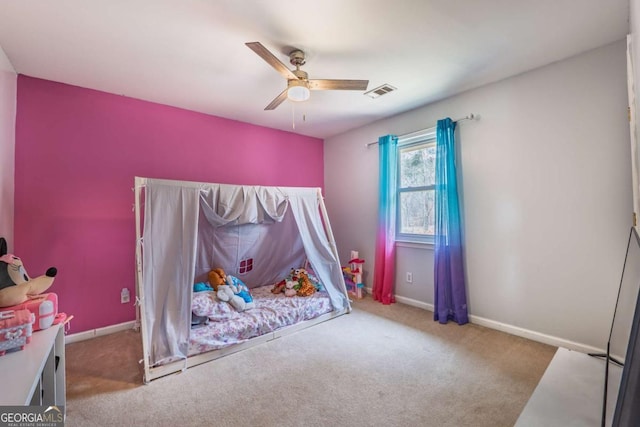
[(191, 53)]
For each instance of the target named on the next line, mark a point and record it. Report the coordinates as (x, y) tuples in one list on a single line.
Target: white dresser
[(36, 374)]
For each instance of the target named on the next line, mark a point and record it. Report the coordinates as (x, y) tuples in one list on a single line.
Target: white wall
[(634, 25), (8, 90), (546, 195)]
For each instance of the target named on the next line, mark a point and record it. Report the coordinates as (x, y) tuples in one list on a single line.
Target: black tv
[(627, 411), (623, 347)]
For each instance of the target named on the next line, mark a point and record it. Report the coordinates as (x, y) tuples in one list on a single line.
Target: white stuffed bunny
[(225, 293)]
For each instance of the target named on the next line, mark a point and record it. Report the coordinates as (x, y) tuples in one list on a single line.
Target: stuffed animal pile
[(297, 283), (16, 286), (231, 289)]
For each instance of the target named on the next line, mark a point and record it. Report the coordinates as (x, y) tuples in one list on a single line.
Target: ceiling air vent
[(380, 90)]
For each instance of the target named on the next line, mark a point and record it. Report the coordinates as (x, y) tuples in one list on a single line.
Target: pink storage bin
[(44, 307)]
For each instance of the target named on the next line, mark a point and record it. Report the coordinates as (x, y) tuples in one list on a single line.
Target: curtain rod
[(469, 117)]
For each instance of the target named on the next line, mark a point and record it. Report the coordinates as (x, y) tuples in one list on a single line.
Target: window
[(246, 265), (416, 189)]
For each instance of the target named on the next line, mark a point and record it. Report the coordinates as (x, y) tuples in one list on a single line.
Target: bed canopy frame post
[(139, 184)]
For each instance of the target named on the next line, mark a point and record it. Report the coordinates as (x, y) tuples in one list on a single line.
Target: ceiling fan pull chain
[(293, 114)]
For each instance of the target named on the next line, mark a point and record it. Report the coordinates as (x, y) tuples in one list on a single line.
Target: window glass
[(415, 195), (417, 212), (418, 166)]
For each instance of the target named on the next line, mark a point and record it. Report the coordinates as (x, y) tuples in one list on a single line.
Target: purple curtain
[(450, 296)]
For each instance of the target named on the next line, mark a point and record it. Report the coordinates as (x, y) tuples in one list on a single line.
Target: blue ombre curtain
[(384, 273), (450, 296)]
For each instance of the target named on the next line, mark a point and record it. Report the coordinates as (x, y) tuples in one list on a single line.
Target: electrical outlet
[(124, 296), (409, 277)]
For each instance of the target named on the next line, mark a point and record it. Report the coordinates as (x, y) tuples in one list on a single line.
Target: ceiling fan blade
[(264, 53), (324, 84), (277, 101)]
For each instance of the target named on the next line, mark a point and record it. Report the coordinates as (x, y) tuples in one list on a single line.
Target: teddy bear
[(233, 289), (16, 286)]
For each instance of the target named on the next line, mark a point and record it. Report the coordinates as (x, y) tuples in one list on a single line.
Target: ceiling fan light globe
[(298, 93)]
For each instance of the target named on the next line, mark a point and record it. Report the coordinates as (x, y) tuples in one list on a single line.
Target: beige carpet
[(378, 366)]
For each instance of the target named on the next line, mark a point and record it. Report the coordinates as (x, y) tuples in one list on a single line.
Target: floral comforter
[(271, 312)]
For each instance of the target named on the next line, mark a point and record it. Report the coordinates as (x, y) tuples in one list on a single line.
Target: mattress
[(272, 312)]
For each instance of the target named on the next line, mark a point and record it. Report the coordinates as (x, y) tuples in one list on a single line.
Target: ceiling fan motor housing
[(296, 57)]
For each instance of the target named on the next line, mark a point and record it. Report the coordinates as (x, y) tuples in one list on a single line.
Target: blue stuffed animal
[(201, 287), (240, 289)]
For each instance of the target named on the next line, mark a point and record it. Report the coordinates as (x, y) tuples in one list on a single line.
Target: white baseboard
[(510, 329), (408, 301), (81, 336), (414, 303), (535, 336)]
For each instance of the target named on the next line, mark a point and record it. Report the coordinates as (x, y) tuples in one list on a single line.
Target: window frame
[(423, 138)]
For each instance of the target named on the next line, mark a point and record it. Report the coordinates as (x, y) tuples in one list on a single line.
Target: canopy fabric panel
[(231, 204), (273, 249), (169, 249), (305, 209)]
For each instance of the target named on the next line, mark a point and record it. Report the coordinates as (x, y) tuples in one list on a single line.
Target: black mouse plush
[(16, 286)]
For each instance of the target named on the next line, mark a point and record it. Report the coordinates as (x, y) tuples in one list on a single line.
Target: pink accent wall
[(77, 152)]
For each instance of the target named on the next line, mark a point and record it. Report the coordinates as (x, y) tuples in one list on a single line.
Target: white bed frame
[(154, 372)]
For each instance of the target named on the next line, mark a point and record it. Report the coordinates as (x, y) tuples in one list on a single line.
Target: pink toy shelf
[(353, 276)]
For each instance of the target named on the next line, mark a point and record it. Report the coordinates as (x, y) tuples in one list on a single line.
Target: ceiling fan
[(298, 83)]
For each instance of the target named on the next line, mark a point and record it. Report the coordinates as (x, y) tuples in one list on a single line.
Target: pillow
[(207, 305)]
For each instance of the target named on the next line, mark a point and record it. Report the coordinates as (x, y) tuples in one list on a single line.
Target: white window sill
[(415, 245)]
